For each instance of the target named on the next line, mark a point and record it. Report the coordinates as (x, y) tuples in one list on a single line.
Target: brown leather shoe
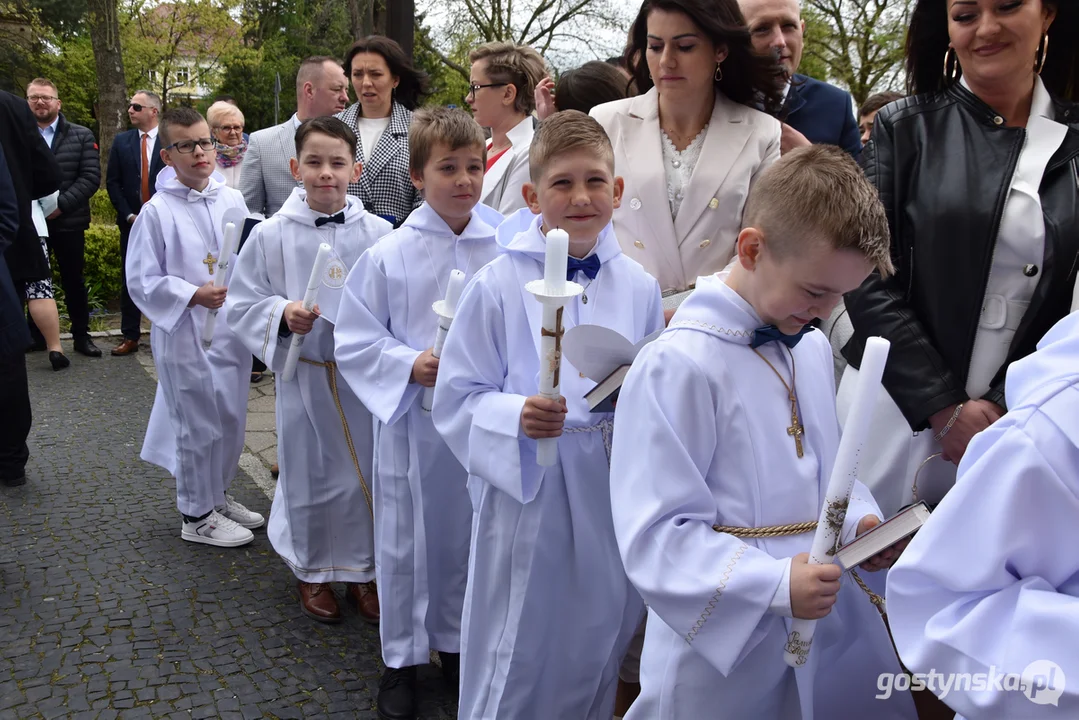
[(127, 347), (319, 602), (364, 596)]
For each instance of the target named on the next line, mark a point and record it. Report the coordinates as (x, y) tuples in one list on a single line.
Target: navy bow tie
[(338, 218), (768, 333), (589, 266)]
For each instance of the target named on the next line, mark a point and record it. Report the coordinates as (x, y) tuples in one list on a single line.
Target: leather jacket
[(943, 164)]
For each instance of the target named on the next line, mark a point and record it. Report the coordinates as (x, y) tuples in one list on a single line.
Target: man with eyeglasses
[(76, 153), (134, 162)]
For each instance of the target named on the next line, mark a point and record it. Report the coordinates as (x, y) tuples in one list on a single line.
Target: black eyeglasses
[(473, 89), (188, 146), (137, 107)]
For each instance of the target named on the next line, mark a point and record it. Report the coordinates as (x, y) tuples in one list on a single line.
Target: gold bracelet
[(955, 416)]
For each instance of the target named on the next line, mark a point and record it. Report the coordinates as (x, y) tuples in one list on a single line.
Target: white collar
[(151, 133), (296, 121), (521, 134)]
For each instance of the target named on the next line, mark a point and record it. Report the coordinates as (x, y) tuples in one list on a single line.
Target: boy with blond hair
[(726, 438), (548, 610), (196, 429), (384, 342)]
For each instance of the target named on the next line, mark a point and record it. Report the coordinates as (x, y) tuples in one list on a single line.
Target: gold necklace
[(796, 430)]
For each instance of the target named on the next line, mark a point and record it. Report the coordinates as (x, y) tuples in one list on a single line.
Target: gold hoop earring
[(1043, 53), (719, 73), (951, 64)]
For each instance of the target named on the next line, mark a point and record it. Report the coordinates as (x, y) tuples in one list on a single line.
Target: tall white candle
[(445, 311), (228, 247), (841, 483), (555, 261), (322, 259)]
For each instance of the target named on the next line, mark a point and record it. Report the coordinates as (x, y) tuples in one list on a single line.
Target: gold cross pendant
[(209, 262), (796, 430)]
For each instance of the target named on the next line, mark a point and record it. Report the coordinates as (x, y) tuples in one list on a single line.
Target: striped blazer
[(385, 187)]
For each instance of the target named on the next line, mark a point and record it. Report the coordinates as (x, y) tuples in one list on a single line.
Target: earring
[(1043, 53), (719, 73), (951, 64)]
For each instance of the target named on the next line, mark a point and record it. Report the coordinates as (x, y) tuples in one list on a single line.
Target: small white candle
[(228, 247), (555, 261), (454, 289)]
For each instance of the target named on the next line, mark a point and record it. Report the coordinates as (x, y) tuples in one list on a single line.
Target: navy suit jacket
[(122, 179), (823, 113)]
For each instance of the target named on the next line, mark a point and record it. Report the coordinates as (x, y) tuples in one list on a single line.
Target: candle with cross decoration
[(553, 291), (230, 239)]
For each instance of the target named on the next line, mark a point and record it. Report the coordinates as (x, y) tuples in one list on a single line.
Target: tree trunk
[(111, 86), (401, 23), (361, 14)]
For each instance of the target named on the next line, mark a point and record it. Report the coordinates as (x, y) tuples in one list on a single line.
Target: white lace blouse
[(678, 166)]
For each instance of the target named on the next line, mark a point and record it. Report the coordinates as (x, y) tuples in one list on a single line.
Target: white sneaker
[(239, 514), (216, 529)]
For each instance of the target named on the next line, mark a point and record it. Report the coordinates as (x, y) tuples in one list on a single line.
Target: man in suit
[(80, 175), (134, 162), (814, 112), (31, 172), (265, 178)]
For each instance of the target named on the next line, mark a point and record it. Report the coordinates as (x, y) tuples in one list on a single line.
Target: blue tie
[(590, 267), (768, 333)]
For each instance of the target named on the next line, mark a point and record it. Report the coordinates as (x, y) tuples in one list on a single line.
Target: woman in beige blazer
[(691, 147)]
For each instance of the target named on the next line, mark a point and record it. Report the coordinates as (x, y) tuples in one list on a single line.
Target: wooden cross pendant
[(796, 430), (209, 262)]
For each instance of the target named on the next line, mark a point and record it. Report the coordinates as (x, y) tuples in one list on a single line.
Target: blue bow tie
[(589, 266), (338, 218), (768, 333)]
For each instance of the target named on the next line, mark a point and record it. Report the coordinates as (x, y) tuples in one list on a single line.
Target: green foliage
[(448, 86), (101, 210), (102, 270), (72, 70), (817, 29)]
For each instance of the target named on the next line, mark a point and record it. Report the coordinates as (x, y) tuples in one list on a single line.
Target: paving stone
[(107, 613)]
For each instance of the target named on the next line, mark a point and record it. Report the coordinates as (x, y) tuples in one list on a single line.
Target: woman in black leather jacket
[(978, 172)]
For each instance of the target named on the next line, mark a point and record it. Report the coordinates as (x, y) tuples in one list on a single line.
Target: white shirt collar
[(296, 121), (152, 133), (53, 125)]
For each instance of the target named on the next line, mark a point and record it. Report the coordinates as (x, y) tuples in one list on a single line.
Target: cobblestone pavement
[(105, 612)]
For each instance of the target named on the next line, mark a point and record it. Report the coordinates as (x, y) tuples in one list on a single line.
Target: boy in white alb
[(986, 597), (707, 454), (321, 518), (196, 429), (384, 342), (548, 611)]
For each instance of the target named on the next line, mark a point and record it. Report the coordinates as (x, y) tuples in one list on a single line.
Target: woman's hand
[(545, 106), (976, 416)]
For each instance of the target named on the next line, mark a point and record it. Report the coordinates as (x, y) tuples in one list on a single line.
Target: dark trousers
[(16, 418), (130, 316), (69, 249)]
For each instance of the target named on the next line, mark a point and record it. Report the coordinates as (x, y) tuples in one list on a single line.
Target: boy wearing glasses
[(196, 429)]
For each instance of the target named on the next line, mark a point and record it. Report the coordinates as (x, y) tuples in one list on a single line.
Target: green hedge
[(101, 209)]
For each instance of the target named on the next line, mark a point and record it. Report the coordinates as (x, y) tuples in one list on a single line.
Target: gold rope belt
[(773, 531), (331, 367)]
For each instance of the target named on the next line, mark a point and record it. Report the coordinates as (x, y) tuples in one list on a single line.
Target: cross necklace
[(796, 430), (210, 260)]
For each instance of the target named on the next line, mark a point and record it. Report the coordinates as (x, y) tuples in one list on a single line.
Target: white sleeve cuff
[(781, 600)]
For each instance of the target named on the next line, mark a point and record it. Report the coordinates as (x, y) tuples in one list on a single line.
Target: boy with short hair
[(988, 587), (321, 518), (726, 431), (384, 344), (548, 609), (196, 429)]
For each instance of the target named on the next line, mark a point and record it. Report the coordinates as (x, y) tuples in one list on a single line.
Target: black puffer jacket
[(943, 164), (80, 167)]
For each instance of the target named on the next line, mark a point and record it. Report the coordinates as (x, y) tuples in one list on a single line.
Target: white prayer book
[(604, 356), (883, 536)]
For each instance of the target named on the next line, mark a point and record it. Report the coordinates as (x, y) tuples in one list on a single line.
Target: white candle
[(228, 247), (555, 261), (454, 288), (445, 311), (841, 483), (322, 259)]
